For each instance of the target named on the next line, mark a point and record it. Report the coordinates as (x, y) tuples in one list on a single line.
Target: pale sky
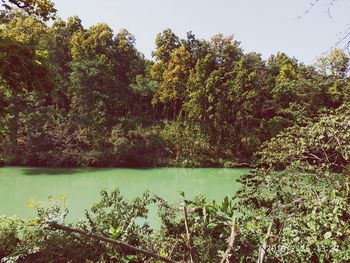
[(264, 26)]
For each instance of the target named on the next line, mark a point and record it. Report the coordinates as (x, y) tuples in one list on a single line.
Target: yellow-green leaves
[(335, 63), (95, 42)]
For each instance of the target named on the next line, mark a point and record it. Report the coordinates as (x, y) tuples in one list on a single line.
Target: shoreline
[(235, 166)]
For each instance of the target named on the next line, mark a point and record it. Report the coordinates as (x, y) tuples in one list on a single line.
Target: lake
[(19, 185)]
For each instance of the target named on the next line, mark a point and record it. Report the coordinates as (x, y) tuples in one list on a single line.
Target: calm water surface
[(18, 185)]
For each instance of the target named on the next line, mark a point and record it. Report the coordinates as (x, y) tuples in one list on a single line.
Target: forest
[(86, 97), (72, 96)]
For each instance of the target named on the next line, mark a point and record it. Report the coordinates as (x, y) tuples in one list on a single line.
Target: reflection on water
[(18, 185)]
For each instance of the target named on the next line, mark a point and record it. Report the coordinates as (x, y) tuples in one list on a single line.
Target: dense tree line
[(71, 96)]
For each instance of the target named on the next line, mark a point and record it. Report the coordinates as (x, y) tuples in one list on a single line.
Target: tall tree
[(44, 9)]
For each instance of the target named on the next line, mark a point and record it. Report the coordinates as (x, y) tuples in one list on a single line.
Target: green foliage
[(336, 63), (112, 216), (30, 241), (22, 67), (44, 9), (66, 89), (136, 148), (8, 235), (322, 143), (33, 241), (308, 202), (310, 214), (187, 145), (209, 225)]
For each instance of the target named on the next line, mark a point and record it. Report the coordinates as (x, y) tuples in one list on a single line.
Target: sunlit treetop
[(44, 9)]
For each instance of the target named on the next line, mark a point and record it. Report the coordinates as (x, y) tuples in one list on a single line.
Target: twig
[(172, 250), (123, 245), (231, 240), (262, 251), (189, 237), (309, 9)]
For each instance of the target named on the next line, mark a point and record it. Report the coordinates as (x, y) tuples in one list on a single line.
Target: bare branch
[(231, 240), (19, 4), (189, 237), (344, 36), (263, 248), (308, 10), (330, 7), (121, 244)]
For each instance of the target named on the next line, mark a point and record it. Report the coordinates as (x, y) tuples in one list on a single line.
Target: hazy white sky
[(265, 26)]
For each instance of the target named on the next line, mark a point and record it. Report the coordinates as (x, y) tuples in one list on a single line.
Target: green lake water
[(19, 185)]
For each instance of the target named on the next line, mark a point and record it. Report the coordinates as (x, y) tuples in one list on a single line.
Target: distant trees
[(44, 9), (24, 75), (75, 96)]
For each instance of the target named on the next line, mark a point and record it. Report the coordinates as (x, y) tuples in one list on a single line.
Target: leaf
[(115, 233), (130, 257), (211, 226), (328, 235)]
